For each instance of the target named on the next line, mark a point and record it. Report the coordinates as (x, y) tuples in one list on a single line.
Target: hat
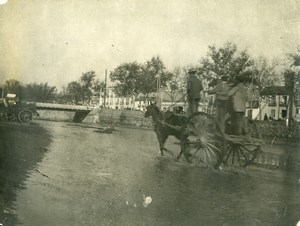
[(192, 71)]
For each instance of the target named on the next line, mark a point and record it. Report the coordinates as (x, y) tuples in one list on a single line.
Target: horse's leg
[(161, 140), (182, 150), (183, 147)]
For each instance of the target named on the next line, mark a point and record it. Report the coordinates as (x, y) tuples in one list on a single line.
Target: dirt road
[(66, 174)]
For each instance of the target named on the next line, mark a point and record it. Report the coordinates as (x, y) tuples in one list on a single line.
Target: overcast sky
[(55, 41)]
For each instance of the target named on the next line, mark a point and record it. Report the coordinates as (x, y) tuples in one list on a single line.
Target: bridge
[(80, 111)]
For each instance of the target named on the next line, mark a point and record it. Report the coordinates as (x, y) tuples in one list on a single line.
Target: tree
[(87, 81), (227, 61), (134, 78), (177, 83), (98, 87), (39, 92), (153, 76), (127, 79), (83, 89), (263, 75), (13, 86), (291, 79), (74, 92)]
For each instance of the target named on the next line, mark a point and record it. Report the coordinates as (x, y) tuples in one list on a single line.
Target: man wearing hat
[(222, 97), (239, 98), (194, 87)]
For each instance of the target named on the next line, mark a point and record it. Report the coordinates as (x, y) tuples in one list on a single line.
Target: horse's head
[(152, 110)]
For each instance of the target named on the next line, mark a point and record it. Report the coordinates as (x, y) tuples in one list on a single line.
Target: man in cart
[(231, 98), (221, 101), (194, 87), (239, 97)]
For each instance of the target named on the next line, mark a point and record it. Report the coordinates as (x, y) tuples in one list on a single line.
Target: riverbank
[(22, 147)]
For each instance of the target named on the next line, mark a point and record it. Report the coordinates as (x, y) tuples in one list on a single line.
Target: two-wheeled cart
[(203, 142)]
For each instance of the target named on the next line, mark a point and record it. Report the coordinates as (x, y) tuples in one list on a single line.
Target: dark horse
[(166, 124)]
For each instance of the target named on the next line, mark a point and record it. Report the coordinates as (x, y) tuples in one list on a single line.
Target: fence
[(268, 129)]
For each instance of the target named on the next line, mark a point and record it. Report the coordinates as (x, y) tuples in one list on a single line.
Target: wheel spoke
[(203, 143), (233, 153), (245, 157), (238, 155), (229, 152)]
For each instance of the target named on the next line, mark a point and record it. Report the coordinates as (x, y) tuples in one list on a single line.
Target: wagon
[(18, 111), (205, 144)]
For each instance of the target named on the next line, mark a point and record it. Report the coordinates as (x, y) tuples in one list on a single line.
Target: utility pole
[(3, 87), (104, 103), (3, 91), (158, 98)]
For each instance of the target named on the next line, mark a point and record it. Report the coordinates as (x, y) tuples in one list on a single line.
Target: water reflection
[(191, 195), (21, 148)]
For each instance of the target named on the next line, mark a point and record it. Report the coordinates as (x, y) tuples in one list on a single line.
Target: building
[(275, 102)]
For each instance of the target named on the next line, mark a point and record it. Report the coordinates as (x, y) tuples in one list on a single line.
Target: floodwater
[(81, 177)]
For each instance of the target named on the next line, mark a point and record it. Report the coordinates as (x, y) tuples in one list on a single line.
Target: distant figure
[(266, 117), (180, 110), (239, 98), (222, 96), (194, 87)]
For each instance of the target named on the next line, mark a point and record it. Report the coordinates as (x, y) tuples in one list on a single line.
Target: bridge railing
[(63, 106)]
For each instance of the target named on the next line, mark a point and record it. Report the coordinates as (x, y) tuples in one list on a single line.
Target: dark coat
[(194, 87)]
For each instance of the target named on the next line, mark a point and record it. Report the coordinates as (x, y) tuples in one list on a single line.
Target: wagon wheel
[(242, 150), (25, 116), (203, 140)]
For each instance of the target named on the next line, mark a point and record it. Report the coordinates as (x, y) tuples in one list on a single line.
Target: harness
[(176, 101)]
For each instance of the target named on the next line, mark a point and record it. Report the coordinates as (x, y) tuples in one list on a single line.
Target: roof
[(275, 90)]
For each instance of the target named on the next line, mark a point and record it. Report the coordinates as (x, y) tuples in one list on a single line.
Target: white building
[(274, 104)]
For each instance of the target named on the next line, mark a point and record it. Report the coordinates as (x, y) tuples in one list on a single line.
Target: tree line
[(75, 92), (134, 78)]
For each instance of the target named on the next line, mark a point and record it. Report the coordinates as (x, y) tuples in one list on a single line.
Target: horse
[(166, 124)]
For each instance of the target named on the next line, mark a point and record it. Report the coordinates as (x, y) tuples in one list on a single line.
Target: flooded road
[(82, 177)]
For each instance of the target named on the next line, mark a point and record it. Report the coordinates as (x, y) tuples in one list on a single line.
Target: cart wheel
[(242, 150), (203, 140), (25, 116)]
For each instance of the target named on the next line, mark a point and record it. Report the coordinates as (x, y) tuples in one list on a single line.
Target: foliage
[(13, 86), (263, 75), (177, 83), (290, 79), (86, 85), (153, 72), (82, 90), (225, 61), (134, 78), (127, 79), (39, 92), (74, 92)]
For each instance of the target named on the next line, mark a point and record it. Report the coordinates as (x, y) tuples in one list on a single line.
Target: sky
[(55, 41)]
